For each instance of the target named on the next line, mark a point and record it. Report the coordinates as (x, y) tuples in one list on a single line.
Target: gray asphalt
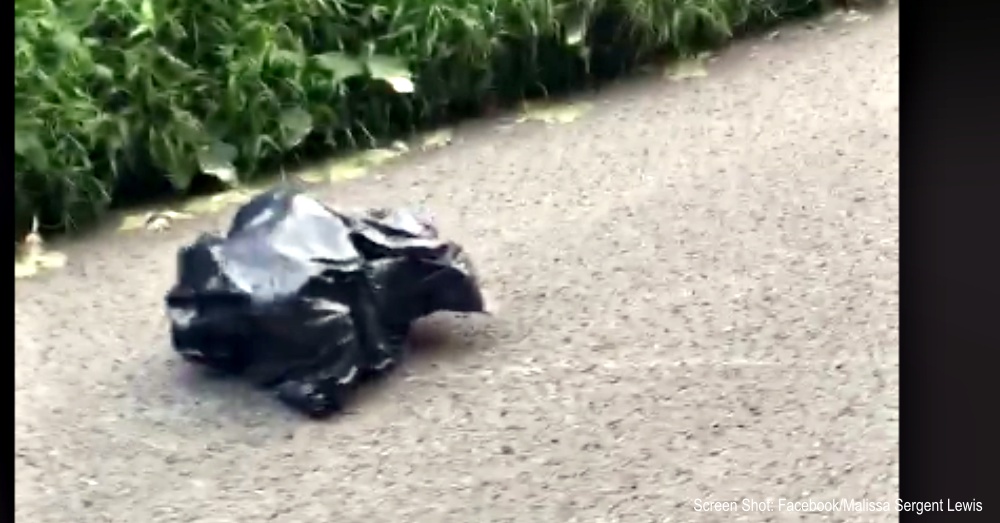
[(696, 287)]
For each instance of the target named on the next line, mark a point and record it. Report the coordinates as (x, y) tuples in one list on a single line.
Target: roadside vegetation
[(117, 100)]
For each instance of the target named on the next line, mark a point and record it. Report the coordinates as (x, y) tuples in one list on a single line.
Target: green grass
[(117, 99)]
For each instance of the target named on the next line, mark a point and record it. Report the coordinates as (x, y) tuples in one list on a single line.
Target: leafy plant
[(114, 93)]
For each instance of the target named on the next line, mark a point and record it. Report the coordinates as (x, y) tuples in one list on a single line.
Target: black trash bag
[(307, 300)]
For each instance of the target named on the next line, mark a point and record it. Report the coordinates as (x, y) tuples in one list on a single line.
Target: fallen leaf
[(687, 69), (27, 268), (436, 139), (217, 202), (32, 257), (554, 113), (373, 157), (24, 270), (351, 166), (154, 221), (854, 16), (161, 221), (158, 223), (345, 171), (133, 222), (313, 175)]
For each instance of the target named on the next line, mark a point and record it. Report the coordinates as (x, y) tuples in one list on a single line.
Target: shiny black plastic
[(306, 300)]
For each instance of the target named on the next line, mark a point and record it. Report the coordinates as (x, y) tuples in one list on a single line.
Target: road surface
[(696, 285)]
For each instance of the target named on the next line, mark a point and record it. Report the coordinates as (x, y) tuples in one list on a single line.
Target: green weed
[(116, 98)]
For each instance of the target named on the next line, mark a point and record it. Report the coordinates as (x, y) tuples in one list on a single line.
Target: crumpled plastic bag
[(306, 300)]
